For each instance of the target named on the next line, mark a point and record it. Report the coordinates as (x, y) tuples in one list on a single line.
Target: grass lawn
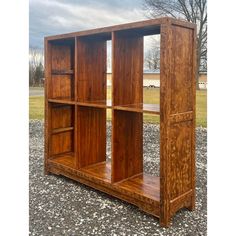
[(150, 95), (36, 107)]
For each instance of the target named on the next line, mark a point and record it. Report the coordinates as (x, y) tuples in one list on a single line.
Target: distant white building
[(151, 78)]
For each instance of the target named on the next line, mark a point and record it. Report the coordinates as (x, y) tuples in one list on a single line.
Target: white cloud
[(59, 16)]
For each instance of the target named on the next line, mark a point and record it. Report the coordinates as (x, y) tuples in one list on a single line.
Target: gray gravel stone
[(60, 206)]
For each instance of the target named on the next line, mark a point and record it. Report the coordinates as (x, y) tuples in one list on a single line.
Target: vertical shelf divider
[(76, 107), (127, 127)]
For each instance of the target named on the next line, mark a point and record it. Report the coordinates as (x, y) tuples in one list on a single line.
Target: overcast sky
[(49, 17)]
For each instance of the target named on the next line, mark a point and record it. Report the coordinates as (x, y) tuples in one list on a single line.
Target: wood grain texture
[(127, 69), (193, 144), (64, 159), (91, 135), (145, 203), (61, 143), (75, 113), (180, 158), (127, 132), (177, 100), (143, 184), (62, 78), (140, 107), (101, 170), (165, 72), (47, 114), (61, 116), (181, 76), (91, 63), (146, 27)]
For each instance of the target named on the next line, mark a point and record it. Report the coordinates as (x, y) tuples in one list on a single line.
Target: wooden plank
[(193, 144), (47, 114), (141, 108), (61, 116), (61, 143), (127, 141), (180, 158), (180, 117), (143, 202), (62, 130), (180, 136), (144, 185), (177, 117), (76, 107), (61, 57), (91, 63), (65, 159), (60, 101), (101, 170), (61, 87), (127, 69), (62, 83), (181, 77), (98, 104), (91, 139), (165, 65), (144, 27)]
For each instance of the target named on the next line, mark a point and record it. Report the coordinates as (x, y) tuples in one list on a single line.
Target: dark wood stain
[(76, 104)]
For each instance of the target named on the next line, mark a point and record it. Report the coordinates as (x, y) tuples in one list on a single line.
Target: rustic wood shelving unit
[(76, 104)]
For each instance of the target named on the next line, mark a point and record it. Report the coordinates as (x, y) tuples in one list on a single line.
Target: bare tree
[(194, 11), (152, 55), (36, 70)]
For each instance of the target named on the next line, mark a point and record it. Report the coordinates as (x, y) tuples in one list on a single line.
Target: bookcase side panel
[(182, 117), (47, 66), (177, 119)]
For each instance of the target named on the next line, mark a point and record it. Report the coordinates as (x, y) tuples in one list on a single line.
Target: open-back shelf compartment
[(76, 105)]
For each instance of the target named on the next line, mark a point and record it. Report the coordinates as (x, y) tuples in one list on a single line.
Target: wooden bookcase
[(76, 105)]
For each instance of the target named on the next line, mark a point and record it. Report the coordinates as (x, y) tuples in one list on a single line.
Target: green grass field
[(150, 95)]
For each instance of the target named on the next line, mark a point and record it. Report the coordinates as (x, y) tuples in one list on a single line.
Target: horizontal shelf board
[(63, 101), (62, 72), (98, 103), (142, 26), (140, 107), (61, 130), (144, 185), (66, 159), (101, 170)]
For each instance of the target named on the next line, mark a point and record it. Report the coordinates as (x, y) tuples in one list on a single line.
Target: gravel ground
[(60, 206)]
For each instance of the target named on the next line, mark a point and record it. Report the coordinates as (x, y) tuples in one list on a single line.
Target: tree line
[(36, 67)]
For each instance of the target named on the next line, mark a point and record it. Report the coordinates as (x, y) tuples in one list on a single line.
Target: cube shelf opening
[(61, 131), (62, 70)]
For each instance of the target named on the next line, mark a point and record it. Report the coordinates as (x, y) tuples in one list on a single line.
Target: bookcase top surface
[(145, 27)]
